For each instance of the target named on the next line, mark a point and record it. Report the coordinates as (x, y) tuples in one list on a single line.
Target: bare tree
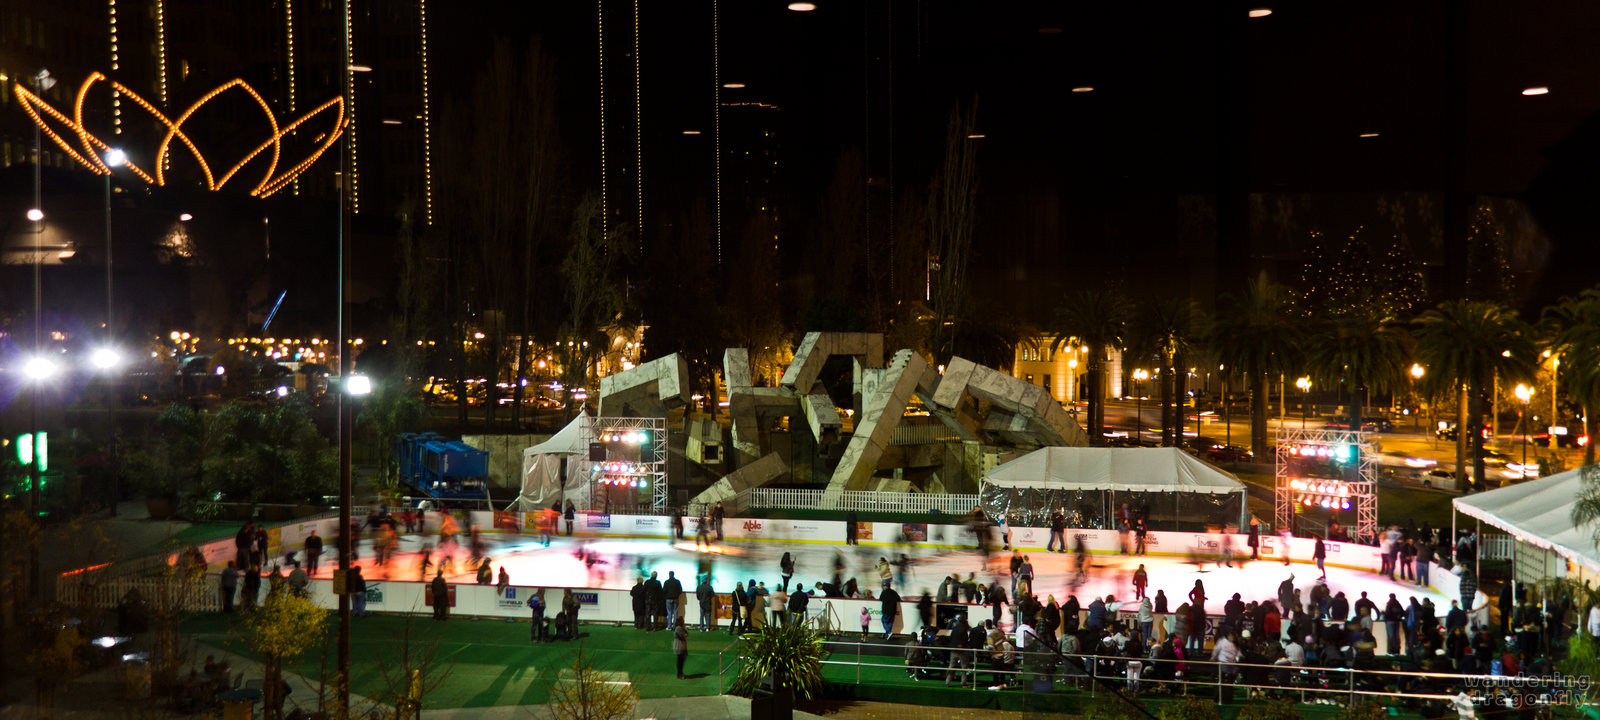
[(595, 294), (412, 672), (506, 190), (583, 693), (952, 215)]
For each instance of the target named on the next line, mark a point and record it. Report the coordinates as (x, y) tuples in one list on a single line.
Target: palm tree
[(1097, 319), (1165, 328), (1464, 344), (1257, 337), (1574, 325), (1367, 350)]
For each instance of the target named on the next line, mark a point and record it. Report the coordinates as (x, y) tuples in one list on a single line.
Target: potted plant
[(780, 663)]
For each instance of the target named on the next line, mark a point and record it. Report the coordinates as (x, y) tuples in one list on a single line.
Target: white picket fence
[(861, 501), (188, 594), (1496, 547)]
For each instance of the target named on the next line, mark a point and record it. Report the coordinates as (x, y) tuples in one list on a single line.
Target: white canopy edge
[(1500, 508)]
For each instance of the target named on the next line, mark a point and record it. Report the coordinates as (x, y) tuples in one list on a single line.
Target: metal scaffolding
[(647, 460), (1363, 488)]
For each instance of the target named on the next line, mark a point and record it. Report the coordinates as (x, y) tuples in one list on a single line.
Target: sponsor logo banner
[(914, 532), (374, 593), (596, 520), (586, 597)]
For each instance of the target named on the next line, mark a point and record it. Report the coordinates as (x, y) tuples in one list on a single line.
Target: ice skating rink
[(619, 562)]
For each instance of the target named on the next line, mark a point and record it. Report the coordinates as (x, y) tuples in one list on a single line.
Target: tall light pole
[(1139, 376), (106, 359), (39, 368), (1523, 393), (1416, 374), (1304, 383)]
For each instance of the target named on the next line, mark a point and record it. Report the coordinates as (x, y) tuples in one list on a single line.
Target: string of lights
[(716, 121), (93, 146), (600, 26), (638, 125), (427, 118), (116, 100)]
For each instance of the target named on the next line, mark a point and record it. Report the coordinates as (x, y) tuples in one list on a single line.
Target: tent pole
[(1174, 512), (1477, 534)]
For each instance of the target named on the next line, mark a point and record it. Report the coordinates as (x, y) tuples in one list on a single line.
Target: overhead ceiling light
[(391, 122), (733, 86), (1369, 134), (802, 6), (1260, 12), (691, 132), (1084, 88), (35, 214), (360, 68), (1541, 90), (1049, 31), (975, 136)]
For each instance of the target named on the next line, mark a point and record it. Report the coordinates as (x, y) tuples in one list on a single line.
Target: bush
[(1362, 710), (1109, 706), (1189, 707), (1269, 710)]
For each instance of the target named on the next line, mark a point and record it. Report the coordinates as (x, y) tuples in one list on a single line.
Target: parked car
[(1229, 453), (1449, 433)]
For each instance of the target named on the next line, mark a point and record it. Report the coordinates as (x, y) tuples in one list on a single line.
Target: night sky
[(1172, 81)]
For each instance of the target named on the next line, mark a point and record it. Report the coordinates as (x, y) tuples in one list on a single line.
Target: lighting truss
[(1287, 487), (626, 458)]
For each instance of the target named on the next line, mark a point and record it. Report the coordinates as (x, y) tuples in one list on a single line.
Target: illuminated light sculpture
[(93, 146)]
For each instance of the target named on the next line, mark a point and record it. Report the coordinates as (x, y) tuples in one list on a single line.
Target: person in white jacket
[(1147, 618)]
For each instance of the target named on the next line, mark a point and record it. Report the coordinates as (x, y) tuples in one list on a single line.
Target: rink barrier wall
[(933, 537)]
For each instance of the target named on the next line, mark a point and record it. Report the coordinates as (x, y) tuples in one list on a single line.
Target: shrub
[(1189, 707), (1269, 710)]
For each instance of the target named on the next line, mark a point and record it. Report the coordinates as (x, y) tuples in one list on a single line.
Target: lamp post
[(1416, 374), (106, 358), (1523, 393), (1139, 376), (1304, 383)]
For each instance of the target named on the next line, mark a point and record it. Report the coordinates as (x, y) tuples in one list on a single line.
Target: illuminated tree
[(1488, 271), (282, 629)]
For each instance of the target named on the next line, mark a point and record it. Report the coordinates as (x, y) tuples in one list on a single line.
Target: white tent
[(1538, 512), (550, 469), (1069, 477)]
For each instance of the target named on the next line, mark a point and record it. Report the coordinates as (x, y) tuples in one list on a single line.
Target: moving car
[(1563, 438)]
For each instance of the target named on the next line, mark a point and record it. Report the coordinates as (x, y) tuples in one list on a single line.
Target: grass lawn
[(492, 662)]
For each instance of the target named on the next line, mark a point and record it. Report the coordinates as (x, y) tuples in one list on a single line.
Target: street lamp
[(1523, 393), (115, 158), (1139, 376), (1304, 383)]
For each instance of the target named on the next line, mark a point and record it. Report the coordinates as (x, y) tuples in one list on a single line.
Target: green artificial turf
[(492, 662)]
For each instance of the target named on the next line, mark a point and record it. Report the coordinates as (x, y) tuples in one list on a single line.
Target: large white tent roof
[(1538, 512), (567, 441), (1116, 469)]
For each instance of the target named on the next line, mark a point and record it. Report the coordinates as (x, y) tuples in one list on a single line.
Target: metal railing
[(1103, 671), (862, 501)]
